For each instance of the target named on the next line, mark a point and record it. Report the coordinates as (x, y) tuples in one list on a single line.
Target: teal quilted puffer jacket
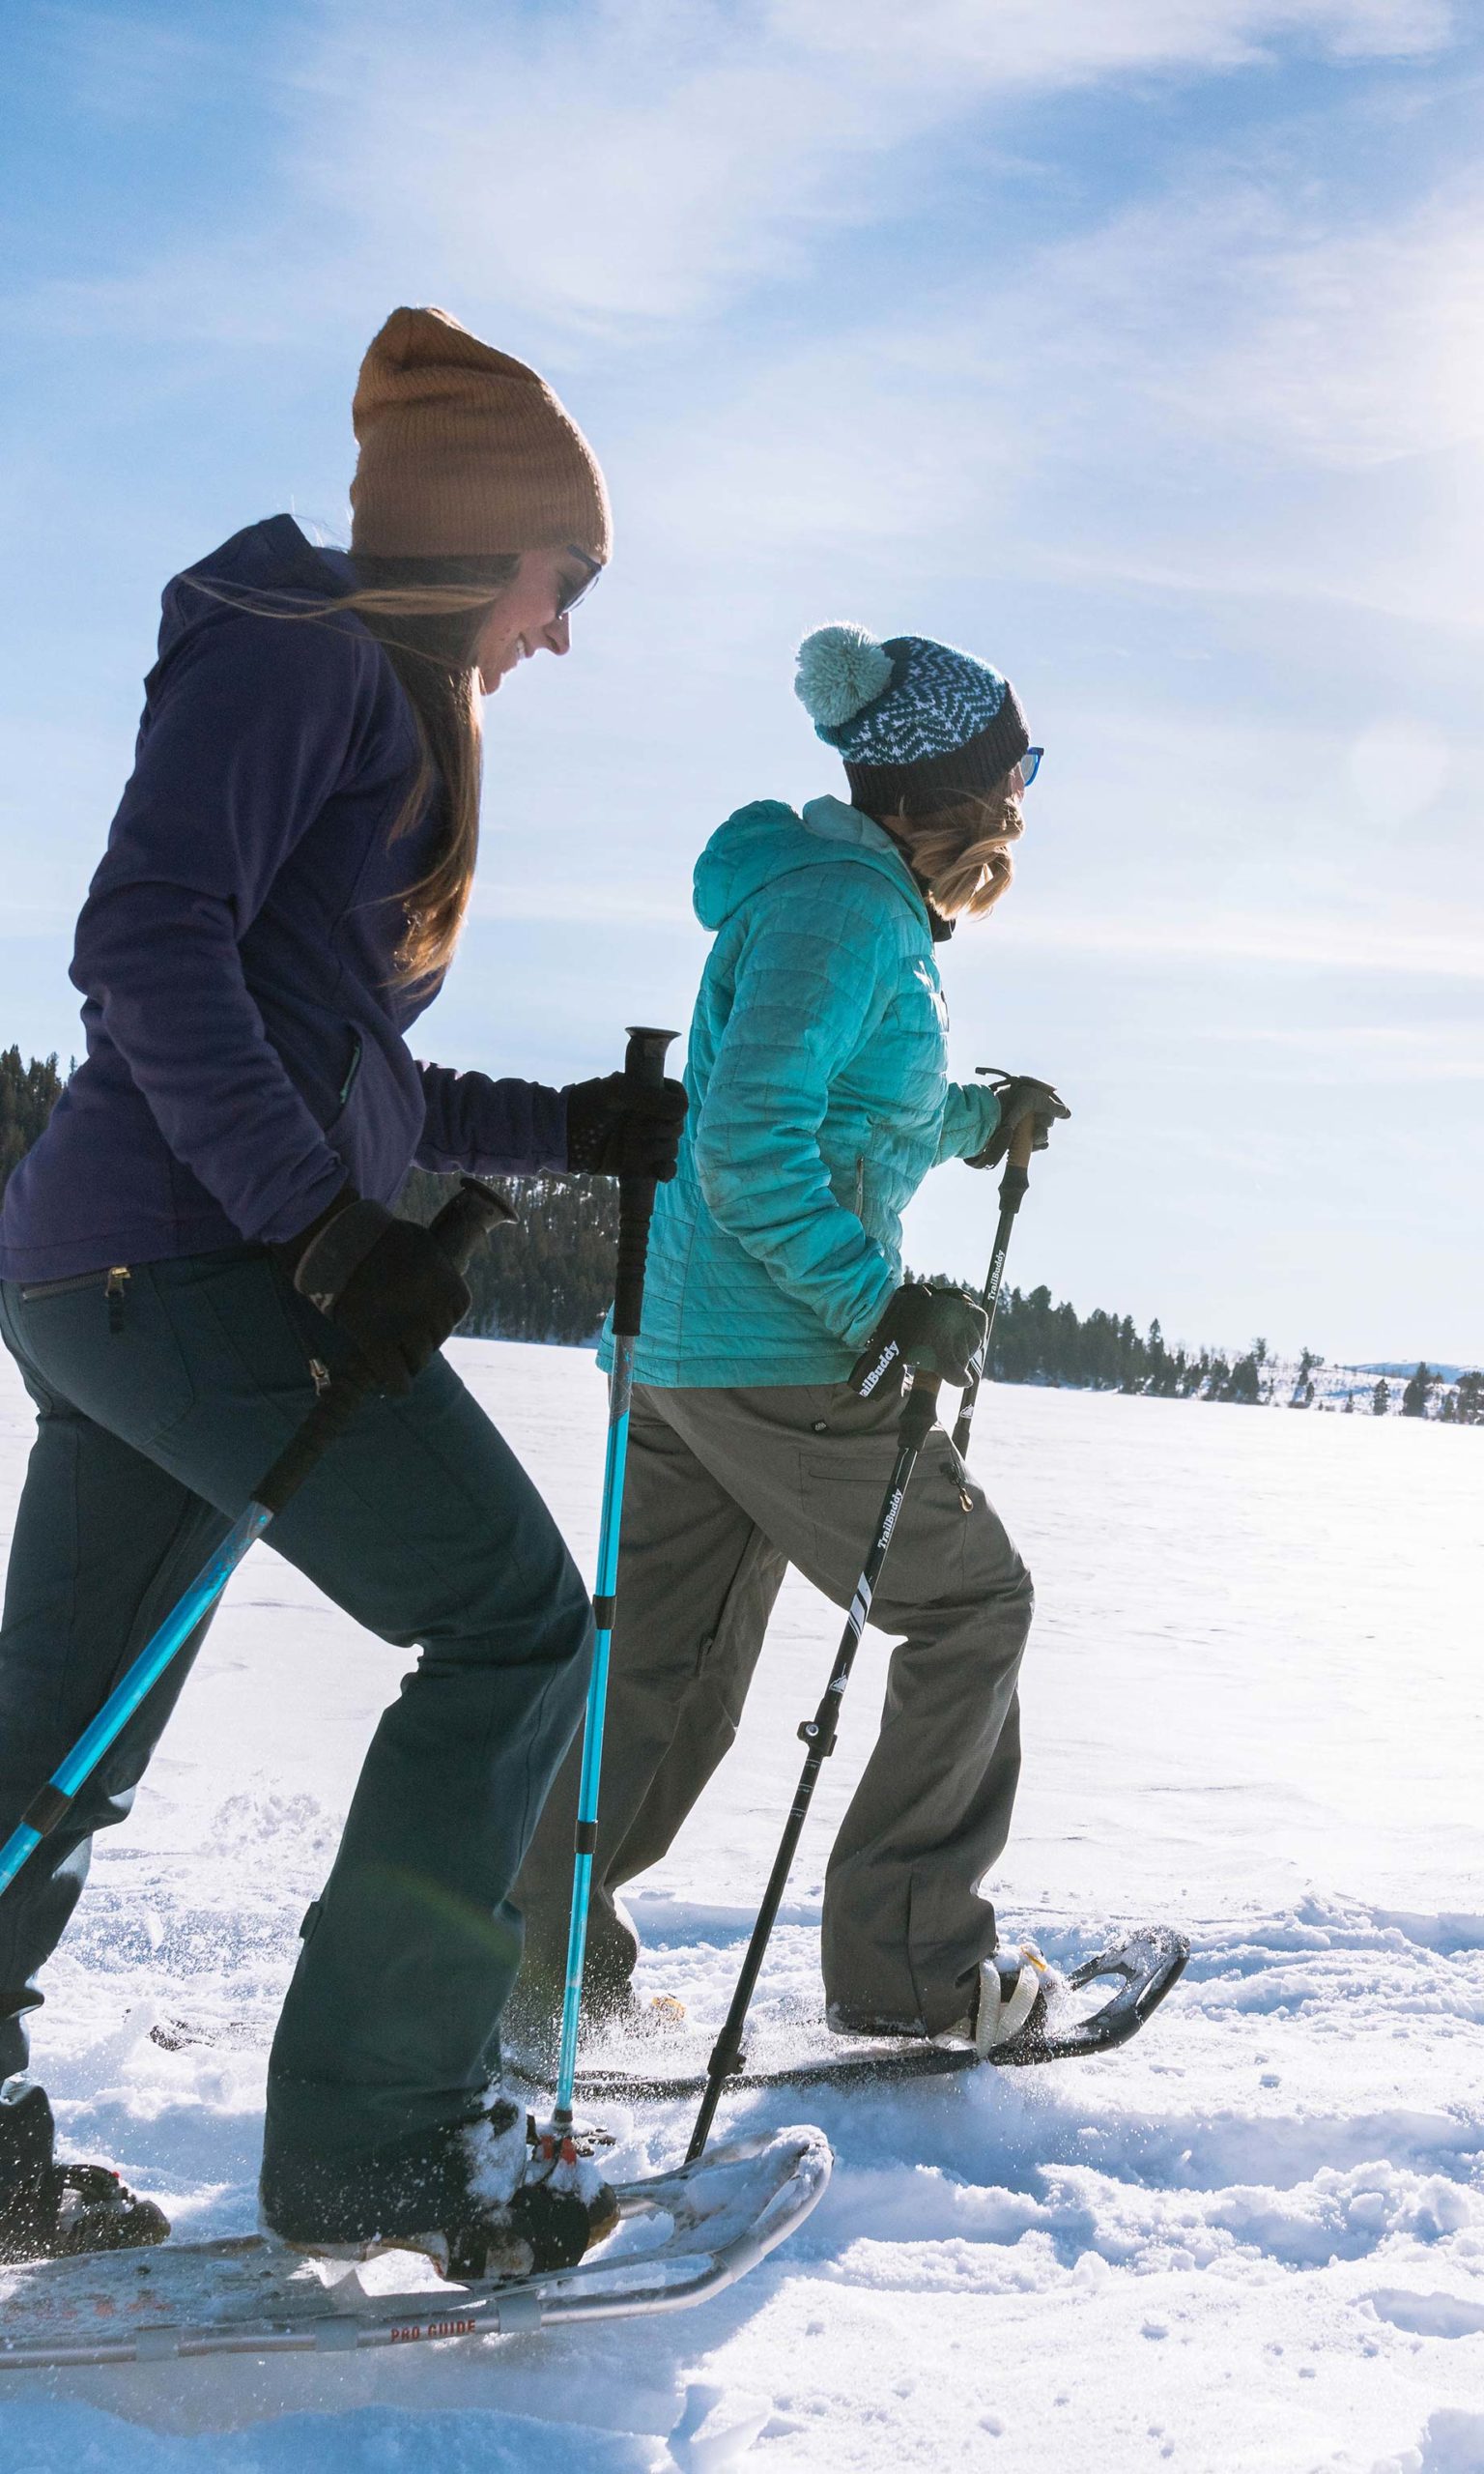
[(819, 1096)]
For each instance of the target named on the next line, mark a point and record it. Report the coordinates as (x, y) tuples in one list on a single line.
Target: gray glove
[(1019, 1096), (942, 1331)]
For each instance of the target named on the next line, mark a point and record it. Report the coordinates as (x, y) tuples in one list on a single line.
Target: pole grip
[(1022, 1142), (468, 1218), (644, 1066)]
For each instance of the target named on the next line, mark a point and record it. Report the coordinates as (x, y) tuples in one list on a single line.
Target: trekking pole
[(1012, 1193), (818, 1733), (459, 1227), (643, 1065)]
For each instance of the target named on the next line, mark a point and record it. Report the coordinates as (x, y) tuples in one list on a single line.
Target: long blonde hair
[(959, 845), (426, 613)]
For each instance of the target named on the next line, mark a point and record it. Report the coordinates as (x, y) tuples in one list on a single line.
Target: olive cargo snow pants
[(419, 1523), (724, 1489)]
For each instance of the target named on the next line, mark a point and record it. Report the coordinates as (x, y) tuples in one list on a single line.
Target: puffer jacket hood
[(767, 840)]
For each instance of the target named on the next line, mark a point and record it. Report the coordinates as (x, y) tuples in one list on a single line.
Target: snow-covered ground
[(1255, 2239)]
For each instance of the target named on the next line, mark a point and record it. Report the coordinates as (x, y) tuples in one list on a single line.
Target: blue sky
[(1136, 344)]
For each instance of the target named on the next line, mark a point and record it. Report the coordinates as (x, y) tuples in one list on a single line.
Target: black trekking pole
[(459, 1227), (1012, 1193), (818, 1733)]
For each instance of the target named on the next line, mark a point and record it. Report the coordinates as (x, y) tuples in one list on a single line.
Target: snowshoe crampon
[(1144, 1964), (680, 2239)]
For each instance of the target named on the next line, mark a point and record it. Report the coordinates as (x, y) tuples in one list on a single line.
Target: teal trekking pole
[(643, 1065), (459, 1228)]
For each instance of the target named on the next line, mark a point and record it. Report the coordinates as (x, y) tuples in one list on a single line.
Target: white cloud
[(1019, 43), (1347, 347), (637, 163)]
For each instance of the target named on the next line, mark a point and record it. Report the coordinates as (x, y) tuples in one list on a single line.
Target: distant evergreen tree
[(1470, 1399), (1414, 1399), (1380, 1398), (1244, 1384), (1303, 1386), (28, 1094)]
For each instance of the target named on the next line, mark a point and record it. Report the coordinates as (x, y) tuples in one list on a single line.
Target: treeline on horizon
[(550, 1277)]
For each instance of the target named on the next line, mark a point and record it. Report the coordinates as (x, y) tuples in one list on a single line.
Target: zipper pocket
[(36, 1290), (353, 1069)]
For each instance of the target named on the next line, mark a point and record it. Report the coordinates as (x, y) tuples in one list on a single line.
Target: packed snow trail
[(1252, 2241)]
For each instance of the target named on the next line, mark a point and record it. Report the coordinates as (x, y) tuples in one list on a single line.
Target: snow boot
[(1009, 2006), (51, 2211), (482, 2199)]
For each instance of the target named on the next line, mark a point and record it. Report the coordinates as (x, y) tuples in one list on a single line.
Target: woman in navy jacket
[(204, 1233)]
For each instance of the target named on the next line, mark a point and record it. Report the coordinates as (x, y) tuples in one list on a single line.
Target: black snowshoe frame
[(1146, 1963)]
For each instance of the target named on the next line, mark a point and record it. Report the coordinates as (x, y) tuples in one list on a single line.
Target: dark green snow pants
[(155, 1424)]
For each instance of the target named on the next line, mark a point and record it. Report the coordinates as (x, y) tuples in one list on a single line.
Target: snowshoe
[(1027, 2017), (680, 2239)]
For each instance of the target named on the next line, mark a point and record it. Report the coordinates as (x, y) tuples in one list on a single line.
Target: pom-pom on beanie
[(909, 716), (465, 451)]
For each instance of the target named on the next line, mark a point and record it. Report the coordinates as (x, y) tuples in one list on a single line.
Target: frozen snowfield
[(1253, 2240)]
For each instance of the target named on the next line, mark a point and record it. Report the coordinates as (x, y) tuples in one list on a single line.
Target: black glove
[(387, 1282), (616, 1128), (940, 1330), (1020, 1095)]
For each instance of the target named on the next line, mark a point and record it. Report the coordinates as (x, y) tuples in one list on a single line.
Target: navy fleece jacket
[(245, 1049)]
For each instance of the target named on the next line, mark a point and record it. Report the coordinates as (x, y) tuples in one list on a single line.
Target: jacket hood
[(767, 840), (268, 567)]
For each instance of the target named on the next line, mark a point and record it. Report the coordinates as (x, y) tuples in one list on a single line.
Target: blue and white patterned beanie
[(908, 716)]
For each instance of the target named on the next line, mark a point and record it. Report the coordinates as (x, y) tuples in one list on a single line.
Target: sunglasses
[(577, 588), (1030, 764)]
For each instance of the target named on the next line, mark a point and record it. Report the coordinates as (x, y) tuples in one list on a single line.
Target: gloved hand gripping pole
[(644, 1066), (459, 1228), (1014, 1185)]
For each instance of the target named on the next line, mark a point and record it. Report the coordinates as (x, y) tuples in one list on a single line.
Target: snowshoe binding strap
[(1012, 2000), (76, 2210)]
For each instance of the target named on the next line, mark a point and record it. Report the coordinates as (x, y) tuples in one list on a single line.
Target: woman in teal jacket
[(819, 1098)]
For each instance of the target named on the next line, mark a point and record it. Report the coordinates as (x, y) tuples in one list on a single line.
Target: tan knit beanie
[(464, 450)]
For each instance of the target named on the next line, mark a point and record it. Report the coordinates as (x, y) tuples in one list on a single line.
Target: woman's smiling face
[(532, 613)]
